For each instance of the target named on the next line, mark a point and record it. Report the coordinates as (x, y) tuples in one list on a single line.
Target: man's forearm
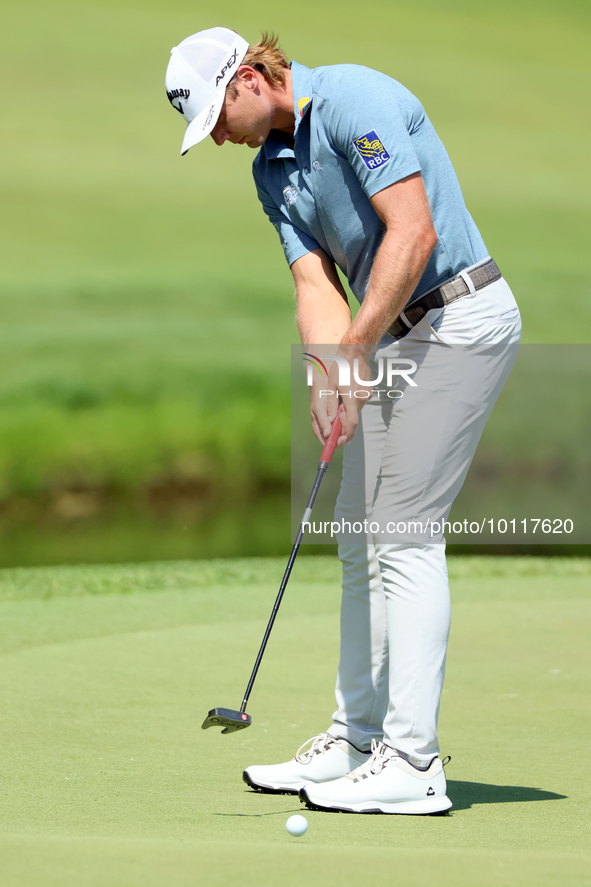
[(319, 327), (323, 313), (397, 269)]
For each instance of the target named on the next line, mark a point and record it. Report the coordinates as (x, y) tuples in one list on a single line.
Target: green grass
[(107, 778), (130, 276)]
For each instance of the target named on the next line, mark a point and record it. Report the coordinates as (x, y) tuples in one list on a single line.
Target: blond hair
[(268, 59)]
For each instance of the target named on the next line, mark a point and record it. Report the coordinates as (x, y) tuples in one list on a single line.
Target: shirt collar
[(276, 147), (301, 81)]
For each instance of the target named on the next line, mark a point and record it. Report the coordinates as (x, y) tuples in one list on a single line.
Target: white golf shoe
[(385, 784), (327, 758)]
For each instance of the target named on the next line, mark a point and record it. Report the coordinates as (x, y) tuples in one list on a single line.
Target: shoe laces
[(320, 744), (380, 755)]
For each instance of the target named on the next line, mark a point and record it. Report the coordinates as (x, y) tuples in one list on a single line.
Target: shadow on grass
[(269, 813), (466, 794)]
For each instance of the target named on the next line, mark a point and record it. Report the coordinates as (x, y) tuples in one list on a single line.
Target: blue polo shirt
[(357, 132)]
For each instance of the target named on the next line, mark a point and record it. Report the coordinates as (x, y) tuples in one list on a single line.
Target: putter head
[(227, 718)]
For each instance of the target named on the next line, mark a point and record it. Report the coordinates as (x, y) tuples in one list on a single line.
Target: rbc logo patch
[(372, 150)]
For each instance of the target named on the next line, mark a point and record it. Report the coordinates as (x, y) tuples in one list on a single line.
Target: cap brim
[(201, 126)]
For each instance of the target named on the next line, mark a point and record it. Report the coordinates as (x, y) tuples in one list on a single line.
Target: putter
[(228, 718)]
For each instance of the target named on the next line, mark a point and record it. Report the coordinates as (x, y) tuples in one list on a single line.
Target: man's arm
[(323, 317), (409, 240), (323, 313)]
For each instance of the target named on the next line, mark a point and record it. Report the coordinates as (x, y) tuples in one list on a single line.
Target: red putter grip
[(331, 443)]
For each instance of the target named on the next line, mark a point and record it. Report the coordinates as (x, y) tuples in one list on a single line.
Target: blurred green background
[(147, 311)]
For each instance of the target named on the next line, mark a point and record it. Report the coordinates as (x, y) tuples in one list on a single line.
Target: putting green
[(107, 778)]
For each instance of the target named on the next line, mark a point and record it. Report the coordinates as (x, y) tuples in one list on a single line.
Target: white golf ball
[(296, 825)]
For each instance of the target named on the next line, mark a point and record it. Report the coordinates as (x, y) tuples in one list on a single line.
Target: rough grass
[(42, 583), (132, 278)]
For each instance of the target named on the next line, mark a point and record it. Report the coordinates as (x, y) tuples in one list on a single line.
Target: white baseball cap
[(198, 72)]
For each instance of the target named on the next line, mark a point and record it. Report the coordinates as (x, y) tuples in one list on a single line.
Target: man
[(352, 174)]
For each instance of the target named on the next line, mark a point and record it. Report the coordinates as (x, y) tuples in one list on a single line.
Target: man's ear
[(248, 77)]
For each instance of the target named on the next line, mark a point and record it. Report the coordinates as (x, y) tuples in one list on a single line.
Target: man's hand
[(326, 394), (354, 395), (323, 409)]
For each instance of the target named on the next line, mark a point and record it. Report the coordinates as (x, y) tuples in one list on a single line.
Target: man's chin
[(255, 141)]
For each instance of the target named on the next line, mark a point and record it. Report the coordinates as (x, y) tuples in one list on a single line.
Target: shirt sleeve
[(370, 122), (295, 242)]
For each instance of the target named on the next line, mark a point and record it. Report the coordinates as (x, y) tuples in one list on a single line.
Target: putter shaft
[(325, 457)]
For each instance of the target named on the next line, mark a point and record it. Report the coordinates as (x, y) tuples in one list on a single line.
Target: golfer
[(352, 175)]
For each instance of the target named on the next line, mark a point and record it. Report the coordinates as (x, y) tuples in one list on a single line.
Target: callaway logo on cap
[(198, 72)]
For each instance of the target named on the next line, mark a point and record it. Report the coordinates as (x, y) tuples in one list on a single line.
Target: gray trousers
[(405, 466)]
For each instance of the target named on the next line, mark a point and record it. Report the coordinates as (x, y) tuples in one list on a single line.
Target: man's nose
[(219, 135)]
